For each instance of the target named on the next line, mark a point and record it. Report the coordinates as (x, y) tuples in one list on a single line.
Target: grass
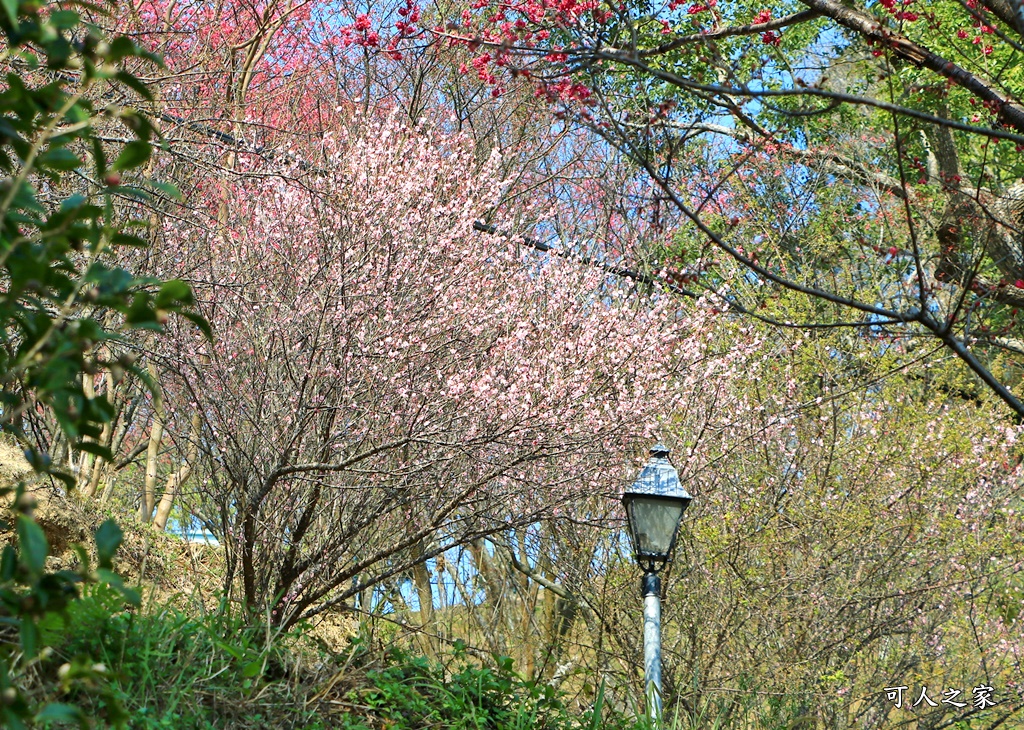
[(173, 670)]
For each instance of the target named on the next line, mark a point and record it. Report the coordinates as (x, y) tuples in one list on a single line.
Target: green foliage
[(62, 308), (63, 305), (170, 670), (33, 601), (412, 692)]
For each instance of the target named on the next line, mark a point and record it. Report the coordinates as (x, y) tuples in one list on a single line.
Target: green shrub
[(171, 670), (413, 692), (37, 686)]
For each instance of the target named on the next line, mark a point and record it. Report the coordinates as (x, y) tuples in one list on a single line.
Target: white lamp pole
[(652, 645)]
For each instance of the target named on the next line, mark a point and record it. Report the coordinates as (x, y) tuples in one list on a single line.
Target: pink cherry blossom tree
[(388, 383)]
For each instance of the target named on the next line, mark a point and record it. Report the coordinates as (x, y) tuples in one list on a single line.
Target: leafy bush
[(413, 692), (63, 306), (170, 670), (32, 601), (61, 298)]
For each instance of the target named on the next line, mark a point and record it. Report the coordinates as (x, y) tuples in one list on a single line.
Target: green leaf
[(121, 47), (252, 669), (168, 189), (32, 546), (112, 579), (11, 6), (131, 596), (173, 293), (140, 313), (8, 562), (99, 157), (200, 322), (127, 239), (58, 53), (595, 716), (134, 83), (60, 712), (25, 198), (69, 481), (108, 539), (72, 202), (59, 158), (233, 651), (129, 191), (139, 124), (91, 447), (134, 154), (105, 575), (29, 637), (64, 19)]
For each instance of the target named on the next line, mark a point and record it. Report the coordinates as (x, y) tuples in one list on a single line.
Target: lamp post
[(654, 508)]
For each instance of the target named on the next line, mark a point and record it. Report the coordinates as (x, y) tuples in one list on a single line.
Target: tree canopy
[(836, 164)]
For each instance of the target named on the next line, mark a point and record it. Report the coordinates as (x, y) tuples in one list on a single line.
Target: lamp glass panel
[(654, 522)]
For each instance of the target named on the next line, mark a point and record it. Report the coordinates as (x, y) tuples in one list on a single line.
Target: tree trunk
[(175, 480), (89, 490), (156, 433), (425, 596)]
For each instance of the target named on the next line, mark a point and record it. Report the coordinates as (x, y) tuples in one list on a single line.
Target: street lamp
[(654, 508)]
